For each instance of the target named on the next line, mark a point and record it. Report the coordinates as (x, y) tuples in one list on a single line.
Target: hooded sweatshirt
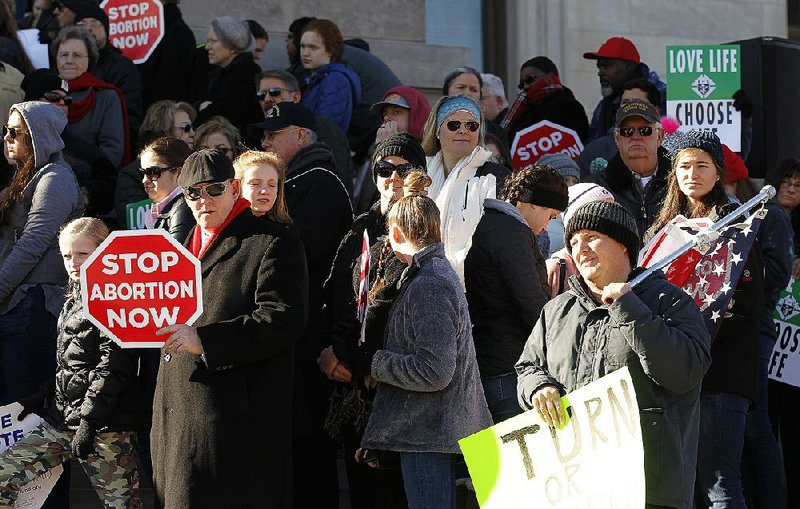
[(420, 108), (29, 231)]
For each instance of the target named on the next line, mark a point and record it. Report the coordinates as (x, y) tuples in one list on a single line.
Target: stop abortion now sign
[(137, 282), (135, 27)]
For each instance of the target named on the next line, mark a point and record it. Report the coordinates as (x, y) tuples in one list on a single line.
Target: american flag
[(710, 271), (363, 286)]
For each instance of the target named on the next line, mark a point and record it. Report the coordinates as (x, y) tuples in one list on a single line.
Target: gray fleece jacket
[(29, 231), (429, 392)]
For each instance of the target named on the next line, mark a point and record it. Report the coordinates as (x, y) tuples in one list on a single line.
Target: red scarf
[(79, 109), (538, 90), (197, 247)]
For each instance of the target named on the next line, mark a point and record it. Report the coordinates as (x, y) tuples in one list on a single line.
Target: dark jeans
[(719, 451), (429, 479), (762, 468), (501, 396), (371, 488), (27, 347), (784, 401)]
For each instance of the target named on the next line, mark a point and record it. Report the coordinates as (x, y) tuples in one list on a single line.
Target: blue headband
[(455, 103)]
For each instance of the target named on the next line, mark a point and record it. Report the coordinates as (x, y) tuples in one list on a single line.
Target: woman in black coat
[(161, 162), (506, 278)]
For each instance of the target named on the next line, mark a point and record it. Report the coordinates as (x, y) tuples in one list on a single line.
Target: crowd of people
[(379, 281)]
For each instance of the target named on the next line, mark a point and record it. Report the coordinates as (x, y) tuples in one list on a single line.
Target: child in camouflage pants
[(96, 402)]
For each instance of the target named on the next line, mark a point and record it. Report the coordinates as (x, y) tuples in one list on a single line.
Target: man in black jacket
[(320, 208)]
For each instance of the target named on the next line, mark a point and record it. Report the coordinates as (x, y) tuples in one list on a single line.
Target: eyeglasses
[(788, 184), (55, 97), (186, 127), (529, 79), (272, 92), (215, 190), (12, 132), (627, 132), (384, 169), (268, 136), (455, 125), (154, 172)]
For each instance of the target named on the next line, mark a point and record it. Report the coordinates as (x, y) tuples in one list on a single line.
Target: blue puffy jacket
[(332, 91)]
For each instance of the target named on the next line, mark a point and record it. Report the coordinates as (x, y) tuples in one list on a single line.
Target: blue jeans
[(501, 396), (719, 451), (429, 479), (27, 347)]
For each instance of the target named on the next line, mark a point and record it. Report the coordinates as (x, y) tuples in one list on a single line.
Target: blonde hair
[(220, 125), (416, 183), (430, 138), (251, 158), (92, 227), (417, 217)]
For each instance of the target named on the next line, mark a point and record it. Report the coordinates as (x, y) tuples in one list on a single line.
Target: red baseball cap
[(616, 47)]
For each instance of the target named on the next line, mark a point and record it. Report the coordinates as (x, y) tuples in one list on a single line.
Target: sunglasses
[(154, 172), (12, 132), (529, 79), (215, 190), (187, 128), (273, 92), (54, 97), (455, 125), (627, 132), (385, 169)]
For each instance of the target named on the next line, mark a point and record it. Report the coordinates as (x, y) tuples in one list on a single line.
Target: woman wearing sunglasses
[(462, 170), (43, 195), (730, 387), (160, 167), (397, 163), (219, 134)]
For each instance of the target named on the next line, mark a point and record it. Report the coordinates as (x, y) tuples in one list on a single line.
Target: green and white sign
[(784, 364), (134, 214), (596, 460), (701, 81)]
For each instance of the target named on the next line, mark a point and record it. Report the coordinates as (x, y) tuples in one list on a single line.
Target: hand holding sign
[(547, 401)]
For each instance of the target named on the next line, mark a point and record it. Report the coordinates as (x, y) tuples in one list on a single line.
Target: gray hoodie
[(29, 232)]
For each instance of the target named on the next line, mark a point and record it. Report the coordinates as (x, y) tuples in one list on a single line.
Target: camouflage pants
[(112, 470)]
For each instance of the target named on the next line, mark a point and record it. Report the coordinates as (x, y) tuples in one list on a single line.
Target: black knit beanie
[(401, 145), (609, 218)]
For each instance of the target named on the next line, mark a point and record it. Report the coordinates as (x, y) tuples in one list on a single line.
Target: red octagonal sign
[(542, 138), (139, 281), (135, 27)]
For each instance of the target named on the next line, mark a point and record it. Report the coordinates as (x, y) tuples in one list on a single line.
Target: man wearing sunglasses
[(637, 175), (229, 375)]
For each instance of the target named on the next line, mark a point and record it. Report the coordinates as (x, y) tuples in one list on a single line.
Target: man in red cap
[(618, 61)]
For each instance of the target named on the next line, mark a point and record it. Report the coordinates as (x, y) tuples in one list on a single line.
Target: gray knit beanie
[(611, 219), (562, 163), (233, 33)]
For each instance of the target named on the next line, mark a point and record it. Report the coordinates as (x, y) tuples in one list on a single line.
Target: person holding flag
[(730, 306)]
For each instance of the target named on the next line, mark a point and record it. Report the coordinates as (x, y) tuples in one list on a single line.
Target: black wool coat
[(221, 433)]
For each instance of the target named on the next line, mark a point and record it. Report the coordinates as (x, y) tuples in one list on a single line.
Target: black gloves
[(742, 103), (32, 405), (83, 441)]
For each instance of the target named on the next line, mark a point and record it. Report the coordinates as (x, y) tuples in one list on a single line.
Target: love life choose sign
[(137, 282)]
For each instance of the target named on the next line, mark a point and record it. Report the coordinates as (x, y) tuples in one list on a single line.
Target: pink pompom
[(670, 124)]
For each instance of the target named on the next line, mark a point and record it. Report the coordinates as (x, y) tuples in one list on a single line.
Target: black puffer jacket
[(95, 378), (506, 282)]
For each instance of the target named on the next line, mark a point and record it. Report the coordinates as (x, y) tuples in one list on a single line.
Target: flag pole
[(766, 193)]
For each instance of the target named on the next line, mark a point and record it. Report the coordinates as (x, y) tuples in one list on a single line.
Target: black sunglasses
[(12, 132), (273, 92), (184, 127), (54, 97), (154, 172), (455, 125), (529, 79), (384, 169), (627, 132), (214, 190)]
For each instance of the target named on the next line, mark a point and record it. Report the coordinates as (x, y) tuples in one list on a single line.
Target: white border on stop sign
[(140, 233)]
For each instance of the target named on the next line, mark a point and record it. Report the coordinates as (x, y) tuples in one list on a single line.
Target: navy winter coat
[(332, 91)]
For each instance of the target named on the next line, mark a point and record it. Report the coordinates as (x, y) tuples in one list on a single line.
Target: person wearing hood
[(321, 213), (618, 61), (111, 65), (229, 45), (42, 196), (332, 90), (506, 278), (463, 171)]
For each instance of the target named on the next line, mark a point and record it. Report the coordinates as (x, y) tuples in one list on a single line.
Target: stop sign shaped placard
[(135, 27), (542, 138), (137, 282)]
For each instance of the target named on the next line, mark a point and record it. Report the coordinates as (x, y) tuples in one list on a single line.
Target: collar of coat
[(577, 286), (505, 208), (620, 177), (433, 251)]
